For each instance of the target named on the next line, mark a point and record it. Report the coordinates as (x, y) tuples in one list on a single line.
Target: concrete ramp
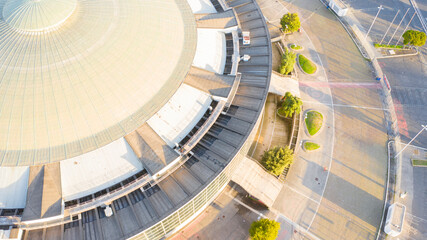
[(257, 182), (44, 195)]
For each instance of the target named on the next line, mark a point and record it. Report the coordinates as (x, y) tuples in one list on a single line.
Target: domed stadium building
[(124, 119)]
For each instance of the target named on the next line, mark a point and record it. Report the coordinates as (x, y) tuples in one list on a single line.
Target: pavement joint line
[(298, 227), (416, 217), (245, 205), (344, 105), (302, 194), (410, 145)]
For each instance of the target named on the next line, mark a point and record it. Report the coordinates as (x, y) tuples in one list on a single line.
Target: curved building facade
[(124, 119)]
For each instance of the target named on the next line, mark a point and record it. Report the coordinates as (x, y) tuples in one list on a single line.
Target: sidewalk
[(301, 195)]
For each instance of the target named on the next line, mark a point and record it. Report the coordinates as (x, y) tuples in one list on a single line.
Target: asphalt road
[(407, 76), (408, 80)]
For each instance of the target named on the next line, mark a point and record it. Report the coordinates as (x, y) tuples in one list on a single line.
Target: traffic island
[(313, 122), (306, 65), (309, 146)]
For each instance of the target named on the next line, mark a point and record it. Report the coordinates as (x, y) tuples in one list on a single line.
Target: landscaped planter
[(313, 122), (296, 47), (309, 146), (306, 65)]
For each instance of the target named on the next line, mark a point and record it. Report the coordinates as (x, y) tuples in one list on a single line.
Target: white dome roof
[(37, 15), (101, 70)]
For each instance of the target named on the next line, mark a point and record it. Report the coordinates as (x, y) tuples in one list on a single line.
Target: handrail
[(9, 220), (236, 53), (203, 129), (233, 90), (110, 196)]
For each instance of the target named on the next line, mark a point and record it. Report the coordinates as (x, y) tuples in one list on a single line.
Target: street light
[(379, 10), (424, 128)]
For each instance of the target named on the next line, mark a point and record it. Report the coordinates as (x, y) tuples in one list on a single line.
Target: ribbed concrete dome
[(100, 73), (37, 15)]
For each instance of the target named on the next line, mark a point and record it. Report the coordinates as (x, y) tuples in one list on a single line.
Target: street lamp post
[(397, 27), (424, 128), (389, 26), (379, 10)]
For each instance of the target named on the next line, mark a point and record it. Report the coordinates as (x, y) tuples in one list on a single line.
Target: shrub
[(415, 38), (306, 65), (290, 22), (290, 105), (288, 61), (264, 229), (296, 47), (277, 159), (388, 46)]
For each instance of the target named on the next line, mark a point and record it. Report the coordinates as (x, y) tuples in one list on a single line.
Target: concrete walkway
[(302, 193), (337, 192)]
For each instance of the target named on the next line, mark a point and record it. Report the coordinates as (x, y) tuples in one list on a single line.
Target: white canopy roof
[(97, 170), (176, 119), (201, 6), (211, 50), (13, 186)]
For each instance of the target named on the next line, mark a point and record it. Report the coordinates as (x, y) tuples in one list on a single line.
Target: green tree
[(277, 159), (264, 229), (290, 22), (290, 105), (415, 38), (288, 61)]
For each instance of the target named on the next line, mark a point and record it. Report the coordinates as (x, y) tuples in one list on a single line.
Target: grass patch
[(313, 122), (306, 65), (388, 46), (310, 146), (418, 162), (296, 47)]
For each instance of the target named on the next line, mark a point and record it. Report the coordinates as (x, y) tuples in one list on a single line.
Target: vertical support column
[(117, 219), (101, 233), (80, 226), (134, 212)]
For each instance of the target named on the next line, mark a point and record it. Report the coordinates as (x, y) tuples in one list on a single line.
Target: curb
[(302, 70), (400, 55), (305, 124), (308, 151)]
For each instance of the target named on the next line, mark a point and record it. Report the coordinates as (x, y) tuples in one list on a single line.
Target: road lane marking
[(341, 84), (302, 194), (345, 105), (298, 227)]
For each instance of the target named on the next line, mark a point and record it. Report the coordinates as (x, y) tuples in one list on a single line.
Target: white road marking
[(418, 218), (349, 106), (298, 227), (302, 194)]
